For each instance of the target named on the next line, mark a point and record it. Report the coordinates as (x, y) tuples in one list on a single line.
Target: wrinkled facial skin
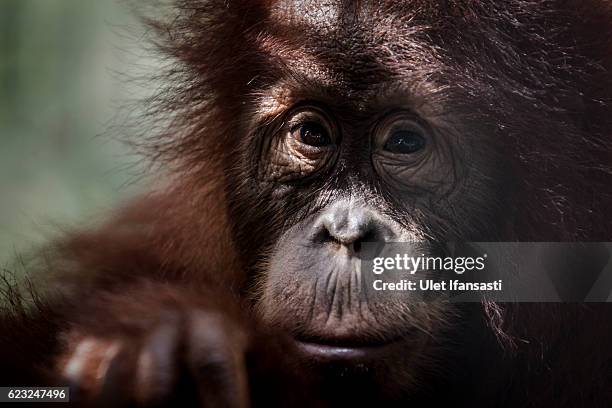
[(357, 136)]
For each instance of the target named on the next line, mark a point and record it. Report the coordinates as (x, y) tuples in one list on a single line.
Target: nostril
[(323, 235), (370, 235)]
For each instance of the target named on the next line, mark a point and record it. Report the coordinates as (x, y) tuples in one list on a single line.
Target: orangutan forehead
[(316, 14), (340, 29), (330, 13), (323, 49), (357, 46)]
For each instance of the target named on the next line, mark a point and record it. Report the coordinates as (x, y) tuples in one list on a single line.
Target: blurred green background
[(63, 70)]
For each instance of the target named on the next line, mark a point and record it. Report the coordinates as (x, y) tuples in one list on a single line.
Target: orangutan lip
[(339, 352), (327, 352)]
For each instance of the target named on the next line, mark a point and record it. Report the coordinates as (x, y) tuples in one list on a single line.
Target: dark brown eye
[(312, 134), (405, 142)]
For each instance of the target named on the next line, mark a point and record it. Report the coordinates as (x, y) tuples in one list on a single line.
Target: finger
[(215, 354), (156, 371), (88, 364), (117, 381)]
